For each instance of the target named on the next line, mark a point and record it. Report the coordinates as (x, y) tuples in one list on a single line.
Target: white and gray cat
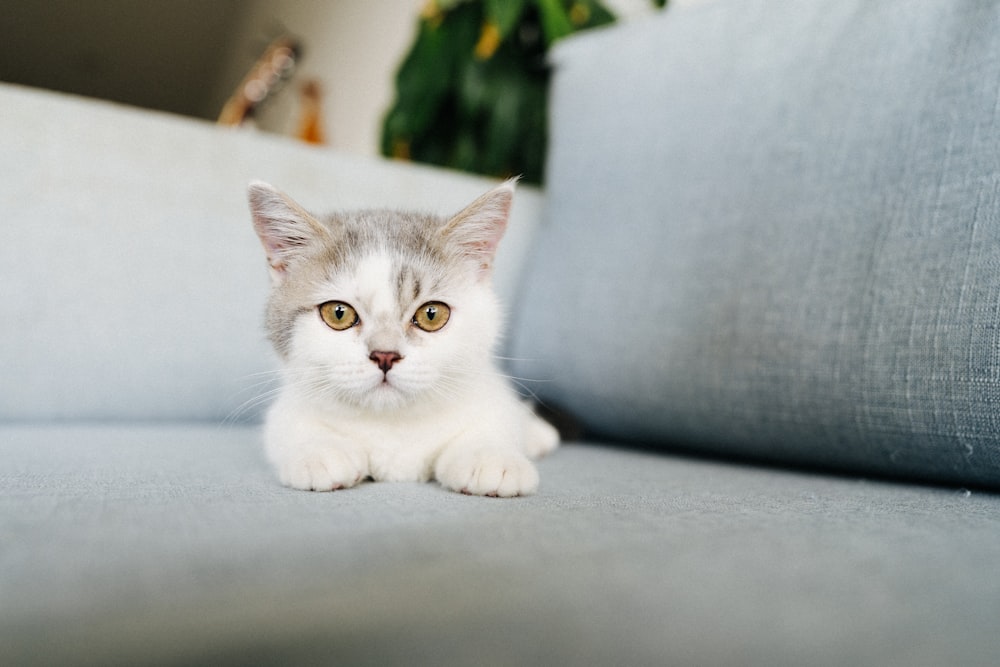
[(386, 323)]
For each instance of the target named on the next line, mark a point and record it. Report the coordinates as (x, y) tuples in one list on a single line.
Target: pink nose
[(385, 360)]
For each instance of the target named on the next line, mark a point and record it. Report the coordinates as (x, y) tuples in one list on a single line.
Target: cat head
[(380, 309)]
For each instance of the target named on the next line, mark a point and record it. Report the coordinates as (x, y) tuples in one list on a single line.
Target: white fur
[(443, 412)]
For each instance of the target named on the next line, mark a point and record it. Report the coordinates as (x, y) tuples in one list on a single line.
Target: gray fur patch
[(421, 259)]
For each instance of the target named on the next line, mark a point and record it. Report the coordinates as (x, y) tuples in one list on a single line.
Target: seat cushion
[(173, 545), (773, 231)]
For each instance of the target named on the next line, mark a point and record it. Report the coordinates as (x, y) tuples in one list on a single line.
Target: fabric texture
[(780, 237), (173, 545)]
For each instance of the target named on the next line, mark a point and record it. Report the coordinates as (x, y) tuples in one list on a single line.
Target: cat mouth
[(386, 388), (386, 395), (387, 385)]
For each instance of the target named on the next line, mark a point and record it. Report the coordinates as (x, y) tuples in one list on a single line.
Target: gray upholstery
[(122, 550), (774, 231)]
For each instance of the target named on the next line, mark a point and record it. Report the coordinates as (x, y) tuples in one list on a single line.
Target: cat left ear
[(478, 228), (285, 229)]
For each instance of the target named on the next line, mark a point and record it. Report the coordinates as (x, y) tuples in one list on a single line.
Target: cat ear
[(478, 228), (284, 228)]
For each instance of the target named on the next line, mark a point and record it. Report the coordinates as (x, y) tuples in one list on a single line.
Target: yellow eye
[(338, 315), (432, 316)]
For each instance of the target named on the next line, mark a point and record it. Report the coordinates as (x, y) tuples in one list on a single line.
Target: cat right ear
[(478, 228), (285, 229)]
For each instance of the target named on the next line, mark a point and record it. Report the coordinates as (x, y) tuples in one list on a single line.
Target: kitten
[(386, 323)]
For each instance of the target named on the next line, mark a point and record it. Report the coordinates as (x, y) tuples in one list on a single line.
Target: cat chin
[(384, 398)]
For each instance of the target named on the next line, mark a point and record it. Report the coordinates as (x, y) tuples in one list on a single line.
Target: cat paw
[(540, 437), (495, 474), (327, 470)]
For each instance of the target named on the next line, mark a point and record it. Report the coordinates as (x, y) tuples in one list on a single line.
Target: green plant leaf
[(447, 5), (555, 22), (597, 14), (505, 14), (457, 108), (426, 76)]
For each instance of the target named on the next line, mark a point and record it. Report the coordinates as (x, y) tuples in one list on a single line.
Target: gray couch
[(764, 278)]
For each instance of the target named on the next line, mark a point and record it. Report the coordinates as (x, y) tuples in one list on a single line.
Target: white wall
[(352, 47)]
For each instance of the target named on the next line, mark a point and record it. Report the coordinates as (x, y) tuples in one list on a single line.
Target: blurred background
[(453, 82)]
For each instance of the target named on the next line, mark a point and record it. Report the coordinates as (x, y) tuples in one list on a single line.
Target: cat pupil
[(431, 313)]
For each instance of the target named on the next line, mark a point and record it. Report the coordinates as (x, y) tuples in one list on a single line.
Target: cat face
[(384, 333), (381, 309)]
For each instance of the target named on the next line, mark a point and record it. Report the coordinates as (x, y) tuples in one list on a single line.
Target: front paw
[(501, 474), (322, 470)]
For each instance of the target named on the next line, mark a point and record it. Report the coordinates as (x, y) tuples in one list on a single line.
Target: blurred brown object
[(310, 127), (263, 80)]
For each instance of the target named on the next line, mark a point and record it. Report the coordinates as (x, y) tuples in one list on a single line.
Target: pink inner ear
[(278, 248), (275, 247), (276, 264), (272, 247), (283, 227), (479, 227), (488, 245)]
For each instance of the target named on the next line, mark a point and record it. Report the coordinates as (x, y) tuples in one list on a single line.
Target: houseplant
[(471, 92)]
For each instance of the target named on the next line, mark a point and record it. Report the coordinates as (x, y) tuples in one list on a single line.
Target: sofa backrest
[(773, 231), (133, 284)]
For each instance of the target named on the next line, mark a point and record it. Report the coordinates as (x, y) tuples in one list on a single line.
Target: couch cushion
[(774, 231), (173, 545)]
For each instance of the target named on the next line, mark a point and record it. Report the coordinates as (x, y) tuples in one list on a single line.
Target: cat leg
[(307, 455)]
